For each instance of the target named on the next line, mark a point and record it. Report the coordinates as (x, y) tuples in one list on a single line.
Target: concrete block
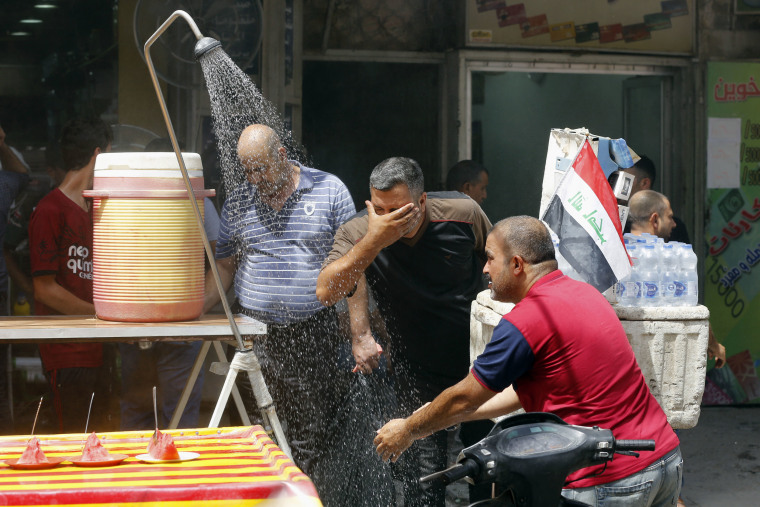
[(670, 345)]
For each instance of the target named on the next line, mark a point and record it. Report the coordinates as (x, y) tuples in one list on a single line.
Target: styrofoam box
[(670, 345)]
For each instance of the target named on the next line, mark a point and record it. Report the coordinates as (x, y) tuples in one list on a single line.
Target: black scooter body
[(529, 456)]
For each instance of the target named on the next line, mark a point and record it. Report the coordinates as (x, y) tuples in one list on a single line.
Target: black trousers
[(299, 364)]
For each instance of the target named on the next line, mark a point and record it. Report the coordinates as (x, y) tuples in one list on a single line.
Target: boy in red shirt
[(60, 239)]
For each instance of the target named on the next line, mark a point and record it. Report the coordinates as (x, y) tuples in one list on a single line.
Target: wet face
[(265, 170), (498, 268), (477, 190), (388, 201), (665, 224)]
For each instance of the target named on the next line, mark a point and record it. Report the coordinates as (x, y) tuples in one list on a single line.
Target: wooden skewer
[(87, 422), (155, 408), (34, 424)]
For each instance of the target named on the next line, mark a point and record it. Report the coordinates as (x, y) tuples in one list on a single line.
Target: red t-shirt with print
[(60, 243)]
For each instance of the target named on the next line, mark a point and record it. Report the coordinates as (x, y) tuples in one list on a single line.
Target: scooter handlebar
[(634, 445), (466, 467)]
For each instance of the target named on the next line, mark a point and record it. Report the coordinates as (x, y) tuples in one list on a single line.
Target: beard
[(502, 292), (272, 188)]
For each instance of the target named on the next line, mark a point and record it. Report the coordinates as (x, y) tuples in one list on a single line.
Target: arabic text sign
[(731, 275)]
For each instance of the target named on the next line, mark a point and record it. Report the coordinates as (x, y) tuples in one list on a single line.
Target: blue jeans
[(166, 365), (658, 485)]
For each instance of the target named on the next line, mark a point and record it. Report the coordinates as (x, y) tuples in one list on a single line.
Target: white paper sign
[(723, 152)]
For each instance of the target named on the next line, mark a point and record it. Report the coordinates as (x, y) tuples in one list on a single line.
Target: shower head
[(205, 45)]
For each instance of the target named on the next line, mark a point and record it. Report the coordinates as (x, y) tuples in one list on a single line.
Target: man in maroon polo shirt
[(560, 350)]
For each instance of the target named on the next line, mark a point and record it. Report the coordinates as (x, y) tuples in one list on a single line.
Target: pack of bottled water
[(662, 274)]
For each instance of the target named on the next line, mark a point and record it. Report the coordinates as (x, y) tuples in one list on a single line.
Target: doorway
[(512, 113)]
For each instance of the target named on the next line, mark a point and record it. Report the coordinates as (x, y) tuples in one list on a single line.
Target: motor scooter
[(529, 456)]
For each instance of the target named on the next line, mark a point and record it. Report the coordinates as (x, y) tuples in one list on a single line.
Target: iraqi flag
[(583, 213)]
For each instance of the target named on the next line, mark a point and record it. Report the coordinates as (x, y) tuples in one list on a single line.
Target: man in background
[(60, 238), (650, 213), (13, 177), (16, 245), (645, 173), (468, 177)]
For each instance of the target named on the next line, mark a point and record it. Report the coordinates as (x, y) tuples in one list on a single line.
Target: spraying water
[(235, 104), (352, 474)]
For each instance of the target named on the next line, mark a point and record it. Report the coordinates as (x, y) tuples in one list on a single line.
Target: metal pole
[(181, 162), (261, 392)]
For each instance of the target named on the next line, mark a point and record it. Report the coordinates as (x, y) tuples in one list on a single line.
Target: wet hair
[(464, 171), (392, 171), (259, 138), (644, 203), (645, 168), (527, 237), (79, 139)]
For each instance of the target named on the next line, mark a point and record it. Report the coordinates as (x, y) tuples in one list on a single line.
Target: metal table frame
[(74, 328)]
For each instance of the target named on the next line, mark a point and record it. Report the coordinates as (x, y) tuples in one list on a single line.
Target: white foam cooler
[(670, 345), (148, 255)]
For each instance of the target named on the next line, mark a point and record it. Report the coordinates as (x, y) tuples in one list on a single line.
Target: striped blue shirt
[(279, 253)]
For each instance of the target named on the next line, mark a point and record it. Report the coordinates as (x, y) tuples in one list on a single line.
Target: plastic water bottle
[(650, 277), (658, 244), (669, 266), (679, 282), (631, 291), (620, 293), (691, 279)]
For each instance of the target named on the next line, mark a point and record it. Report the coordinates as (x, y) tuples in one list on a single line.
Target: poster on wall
[(665, 26), (732, 259)]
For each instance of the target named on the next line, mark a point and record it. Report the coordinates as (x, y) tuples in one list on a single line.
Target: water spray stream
[(245, 358)]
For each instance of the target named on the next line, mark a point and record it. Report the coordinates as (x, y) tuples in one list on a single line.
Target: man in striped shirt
[(276, 230)]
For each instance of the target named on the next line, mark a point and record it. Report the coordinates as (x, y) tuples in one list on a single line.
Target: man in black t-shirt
[(423, 255)]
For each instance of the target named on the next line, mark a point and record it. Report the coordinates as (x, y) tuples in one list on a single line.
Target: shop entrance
[(356, 114), (512, 113)]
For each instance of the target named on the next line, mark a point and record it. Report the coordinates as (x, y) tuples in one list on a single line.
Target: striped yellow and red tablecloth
[(236, 466)]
